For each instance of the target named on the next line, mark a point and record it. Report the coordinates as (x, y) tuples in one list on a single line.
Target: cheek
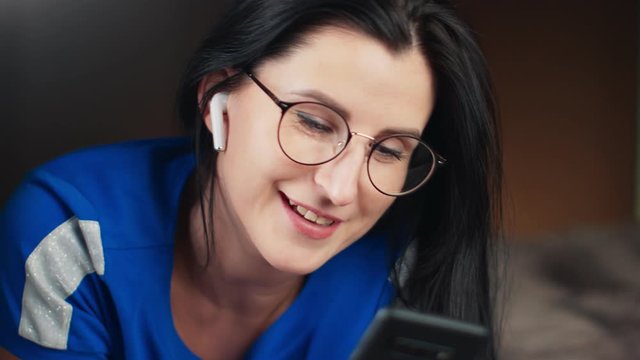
[(251, 138), (373, 206), (253, 161), (374, 213)]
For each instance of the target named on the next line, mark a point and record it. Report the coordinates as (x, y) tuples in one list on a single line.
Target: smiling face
[(264, 194)]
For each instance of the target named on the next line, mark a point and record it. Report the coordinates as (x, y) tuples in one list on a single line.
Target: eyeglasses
[(311, 133)]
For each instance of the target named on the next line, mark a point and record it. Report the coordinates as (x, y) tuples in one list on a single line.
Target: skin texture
[(260, 258)]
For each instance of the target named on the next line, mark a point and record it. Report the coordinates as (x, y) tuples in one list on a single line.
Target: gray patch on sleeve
[(54, 271)]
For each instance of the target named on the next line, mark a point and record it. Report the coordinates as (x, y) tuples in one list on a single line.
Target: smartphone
[(409, 335)]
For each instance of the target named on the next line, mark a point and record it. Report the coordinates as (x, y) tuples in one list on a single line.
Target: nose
[(340, 177)]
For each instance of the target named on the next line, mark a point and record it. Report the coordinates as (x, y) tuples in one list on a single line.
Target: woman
[(315, 126)]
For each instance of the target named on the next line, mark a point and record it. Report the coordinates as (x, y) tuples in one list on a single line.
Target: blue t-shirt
[(86, 255)]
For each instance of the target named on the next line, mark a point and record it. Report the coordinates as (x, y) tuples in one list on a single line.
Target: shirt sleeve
[(51, 261)]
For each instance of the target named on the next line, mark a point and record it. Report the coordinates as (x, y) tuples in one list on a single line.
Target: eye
[(387, 153), (313, 123)]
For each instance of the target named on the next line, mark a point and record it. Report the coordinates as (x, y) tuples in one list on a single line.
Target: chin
[(298, 265)]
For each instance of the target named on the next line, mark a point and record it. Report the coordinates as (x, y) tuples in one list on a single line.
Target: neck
[(236, 278)]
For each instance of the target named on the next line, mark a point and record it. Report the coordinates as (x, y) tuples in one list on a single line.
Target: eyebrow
[(327, 100), (400, 131)]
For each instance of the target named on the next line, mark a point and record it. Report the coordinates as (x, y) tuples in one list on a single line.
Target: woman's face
[(380, 90)]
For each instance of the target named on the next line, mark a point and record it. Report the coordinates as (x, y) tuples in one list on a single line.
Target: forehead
[(376, 86)]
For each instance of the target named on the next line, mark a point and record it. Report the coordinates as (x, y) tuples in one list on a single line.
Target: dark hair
[(453, 220)]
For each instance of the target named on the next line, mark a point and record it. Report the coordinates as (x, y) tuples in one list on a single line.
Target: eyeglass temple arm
[(273, 97)]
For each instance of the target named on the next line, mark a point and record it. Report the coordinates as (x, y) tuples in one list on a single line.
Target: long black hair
[(455, 219)]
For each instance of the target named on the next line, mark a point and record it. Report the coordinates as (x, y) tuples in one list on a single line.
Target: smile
[(311, 223), (310, 215)]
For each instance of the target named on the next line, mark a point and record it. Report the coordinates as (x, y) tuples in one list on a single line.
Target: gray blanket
[(574, 296)]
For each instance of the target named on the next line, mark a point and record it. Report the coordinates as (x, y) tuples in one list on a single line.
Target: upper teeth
[(310, 215)]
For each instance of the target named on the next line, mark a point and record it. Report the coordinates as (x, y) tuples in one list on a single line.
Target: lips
[(309, 222), (310, 215)]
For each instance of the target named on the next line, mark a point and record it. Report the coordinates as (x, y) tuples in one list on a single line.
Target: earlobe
[(217, 109)]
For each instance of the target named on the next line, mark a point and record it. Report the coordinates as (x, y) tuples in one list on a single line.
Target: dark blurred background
[(566, 78), (79, 73)]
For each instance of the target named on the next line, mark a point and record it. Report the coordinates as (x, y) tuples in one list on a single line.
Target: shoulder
[(121, 155), (116, 186), (57, 228), (121, 194), (118, 164)]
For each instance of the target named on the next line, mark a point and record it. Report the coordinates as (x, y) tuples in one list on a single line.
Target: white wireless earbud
[(217, 109)]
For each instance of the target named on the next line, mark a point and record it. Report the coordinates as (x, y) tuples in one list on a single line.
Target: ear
[(209, 81), (217, 112), (214, 113)]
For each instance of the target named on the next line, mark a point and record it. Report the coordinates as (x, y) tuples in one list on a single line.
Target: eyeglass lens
[(311, 134)]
